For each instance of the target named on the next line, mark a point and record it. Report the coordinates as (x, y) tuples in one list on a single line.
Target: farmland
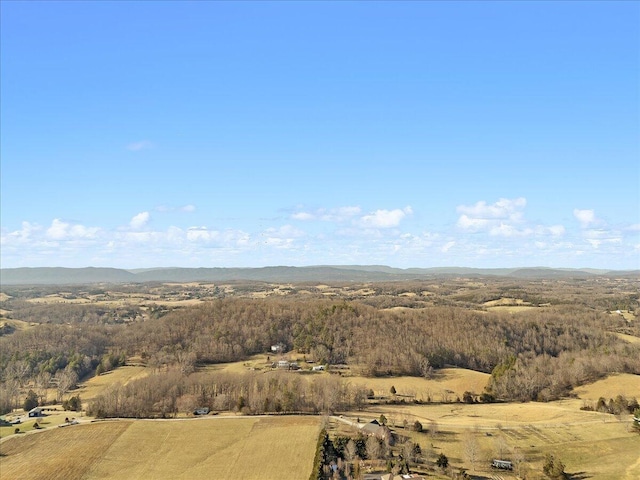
[(252, 448)]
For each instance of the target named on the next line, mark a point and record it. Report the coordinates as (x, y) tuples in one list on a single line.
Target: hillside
[(347, 273)]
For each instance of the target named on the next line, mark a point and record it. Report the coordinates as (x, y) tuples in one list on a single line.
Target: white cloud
[(140, 220), (507, 230), (303, 216), (499, 218), (338, 215), (60, 230), (167, 209), (25, 233), (201, 234), (585, 217), (556, 230), (468, 223), (504, 218), (447, 246), (503, 209), (385, 218), (140, 145)]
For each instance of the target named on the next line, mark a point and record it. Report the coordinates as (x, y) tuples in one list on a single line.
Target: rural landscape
[(530, 374), (319, 240)]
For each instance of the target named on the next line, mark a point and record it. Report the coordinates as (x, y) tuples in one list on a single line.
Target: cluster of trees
[(49, 355), (619, 406), (167, 392), (66, 313), (339, 457)]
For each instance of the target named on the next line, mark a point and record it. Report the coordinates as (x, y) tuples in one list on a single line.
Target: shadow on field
[(579, 476)]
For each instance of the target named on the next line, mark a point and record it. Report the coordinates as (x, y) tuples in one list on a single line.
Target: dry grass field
[(59, 454), (628, 338), (618, 384), (96, 385), (592, 445), (448, 384), (259, 448)]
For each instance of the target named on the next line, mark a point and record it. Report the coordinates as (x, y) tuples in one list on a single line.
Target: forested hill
[(346, 273)]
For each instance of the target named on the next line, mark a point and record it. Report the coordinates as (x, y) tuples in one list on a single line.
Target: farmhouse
[(373, 428)]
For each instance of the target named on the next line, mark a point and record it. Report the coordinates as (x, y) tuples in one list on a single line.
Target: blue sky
[(417, 134)]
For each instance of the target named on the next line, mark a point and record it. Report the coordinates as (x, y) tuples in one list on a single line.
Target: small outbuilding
[(502, 464), (36, 412)]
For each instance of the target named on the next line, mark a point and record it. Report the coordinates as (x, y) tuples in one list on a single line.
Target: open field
[(16, 325), (508, 305), (533, 429), (97, 384), (447, 384), (615, 384), (627, 315), (248, 448), (629, 338)]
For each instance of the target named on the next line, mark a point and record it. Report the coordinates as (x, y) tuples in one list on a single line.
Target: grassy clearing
[(628, 316), (98, 384), (490, 416), (617, 384), (628, 338), (511, 308), (248, 448), (447, 384), (506, 301), (256, 362), (17, 324)]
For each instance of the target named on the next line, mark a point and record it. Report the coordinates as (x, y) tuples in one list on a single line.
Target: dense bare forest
[(566, 337)]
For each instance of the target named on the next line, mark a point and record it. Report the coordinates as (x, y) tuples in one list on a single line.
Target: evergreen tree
[(31, 401)]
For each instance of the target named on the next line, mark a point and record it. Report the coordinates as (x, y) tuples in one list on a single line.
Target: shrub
[(442, 461), (73, 403), (554, 468)]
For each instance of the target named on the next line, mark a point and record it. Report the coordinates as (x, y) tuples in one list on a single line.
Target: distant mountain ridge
[(319, 273)]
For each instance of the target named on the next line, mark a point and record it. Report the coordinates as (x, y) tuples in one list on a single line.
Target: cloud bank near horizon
[(485, 234)]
